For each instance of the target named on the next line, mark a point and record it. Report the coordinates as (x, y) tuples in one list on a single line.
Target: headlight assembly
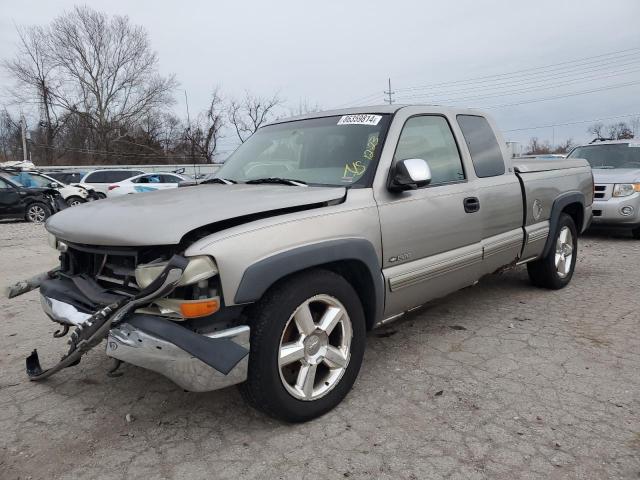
[(56, 244), (199, 268), (52, 241), (625, 189)]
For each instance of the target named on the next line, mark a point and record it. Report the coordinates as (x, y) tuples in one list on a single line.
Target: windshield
[(340, 150), (613, 155)]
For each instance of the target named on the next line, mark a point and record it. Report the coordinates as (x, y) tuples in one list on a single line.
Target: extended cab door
[(499, 194), (431, 236)]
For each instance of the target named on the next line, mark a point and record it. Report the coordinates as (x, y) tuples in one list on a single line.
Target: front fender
[(261, 275)]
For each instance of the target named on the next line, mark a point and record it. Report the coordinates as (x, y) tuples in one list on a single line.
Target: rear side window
[(111, 176), (118, 176), (485, 152), (170, 179)]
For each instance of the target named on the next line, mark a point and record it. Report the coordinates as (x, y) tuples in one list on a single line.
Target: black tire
[(37, 212), (264, 388), (543, 272), (100, 195), (71, 201), (635, 233)]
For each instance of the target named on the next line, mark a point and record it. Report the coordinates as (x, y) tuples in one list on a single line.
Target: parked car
[(147, 182), (72, 195), (315, 230), (99, 180), (34, 204), (69, 177), (616, 173)]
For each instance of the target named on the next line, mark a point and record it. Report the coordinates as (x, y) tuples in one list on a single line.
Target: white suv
[(100, 180)]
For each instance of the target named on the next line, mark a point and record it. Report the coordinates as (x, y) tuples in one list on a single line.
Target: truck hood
[(164, 217), (616, 175)]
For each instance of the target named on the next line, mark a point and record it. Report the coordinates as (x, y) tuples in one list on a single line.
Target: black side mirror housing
[(409, 174)]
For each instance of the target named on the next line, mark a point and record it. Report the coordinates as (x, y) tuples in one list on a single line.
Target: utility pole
[(389, 93), (23, 129)]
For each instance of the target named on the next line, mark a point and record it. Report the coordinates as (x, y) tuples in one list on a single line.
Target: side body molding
[(558, 205), (264, 273)]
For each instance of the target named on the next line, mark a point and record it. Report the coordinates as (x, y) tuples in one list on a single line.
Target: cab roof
[(384, 109)]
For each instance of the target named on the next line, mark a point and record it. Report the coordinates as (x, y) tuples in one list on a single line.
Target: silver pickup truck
[(616, 172), (317, 229)]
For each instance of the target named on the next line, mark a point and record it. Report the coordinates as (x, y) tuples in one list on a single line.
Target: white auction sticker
[(636, 145), (360, 119)]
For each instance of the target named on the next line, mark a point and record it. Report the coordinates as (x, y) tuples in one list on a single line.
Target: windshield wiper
[(284, 181), (224, 181), (604, 167)]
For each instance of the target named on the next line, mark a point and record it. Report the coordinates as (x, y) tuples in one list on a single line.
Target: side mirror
[(54, 185), (410, 174)]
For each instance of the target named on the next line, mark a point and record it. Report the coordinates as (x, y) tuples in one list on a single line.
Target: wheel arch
[(571, 203), (354, 259)]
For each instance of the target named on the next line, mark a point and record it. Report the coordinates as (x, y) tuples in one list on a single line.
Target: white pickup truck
[(317, 229)]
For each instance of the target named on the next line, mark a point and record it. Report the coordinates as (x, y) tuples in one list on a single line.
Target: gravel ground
[(500, 380)]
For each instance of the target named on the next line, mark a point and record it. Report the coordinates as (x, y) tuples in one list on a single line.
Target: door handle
[(471, 204)]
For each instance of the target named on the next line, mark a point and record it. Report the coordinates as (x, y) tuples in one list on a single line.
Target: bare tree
[(597, 129), (10, 144), (37, 81), (635, 126), (109, 69), (304, 107), (204, 133), (620, 131), (564, 147), (536, 147), (249, 114)]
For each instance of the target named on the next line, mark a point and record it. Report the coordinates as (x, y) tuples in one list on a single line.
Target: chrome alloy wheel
[(564, 252), (315, 347), (36, 214)]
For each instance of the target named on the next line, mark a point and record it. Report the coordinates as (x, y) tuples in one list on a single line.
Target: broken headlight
[(198, 298), (199, 268)]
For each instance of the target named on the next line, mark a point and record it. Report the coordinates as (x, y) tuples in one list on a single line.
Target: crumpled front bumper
[(196, 362)]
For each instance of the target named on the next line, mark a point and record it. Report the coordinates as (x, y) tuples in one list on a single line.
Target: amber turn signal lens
[(199, 309)]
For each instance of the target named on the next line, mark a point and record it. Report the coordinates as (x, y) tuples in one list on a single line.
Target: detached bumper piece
[(90, 332), (197, 363)]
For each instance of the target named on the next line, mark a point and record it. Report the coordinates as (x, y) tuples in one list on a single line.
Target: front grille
[(602, 191), (113, 268)]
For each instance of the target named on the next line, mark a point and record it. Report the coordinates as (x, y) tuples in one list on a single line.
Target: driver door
[(431, 237)]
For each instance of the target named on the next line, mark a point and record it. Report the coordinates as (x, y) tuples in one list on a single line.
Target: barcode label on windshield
[(636, 145), (362, 119)]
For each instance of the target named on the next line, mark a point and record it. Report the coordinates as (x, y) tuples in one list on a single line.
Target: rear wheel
[(307, 345), (37, 212), (100, 195), (554, 271)]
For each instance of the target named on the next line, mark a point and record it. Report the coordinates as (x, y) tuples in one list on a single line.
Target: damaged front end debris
[(196, 362), (90, 332)]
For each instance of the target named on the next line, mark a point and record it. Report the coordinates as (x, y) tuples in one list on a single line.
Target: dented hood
[(164, 217)]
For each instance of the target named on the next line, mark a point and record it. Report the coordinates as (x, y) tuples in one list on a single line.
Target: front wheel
[(636, 233), (37, 212), (74, 201), (555, 269), (307, 344)]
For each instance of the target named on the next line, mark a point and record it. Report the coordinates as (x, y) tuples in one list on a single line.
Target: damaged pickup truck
[(317, 229)]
